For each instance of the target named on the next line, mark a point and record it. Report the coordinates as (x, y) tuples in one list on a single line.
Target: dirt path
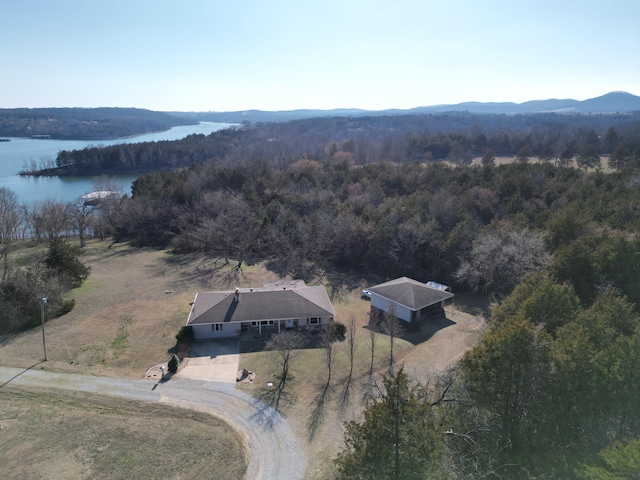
[(273, 450)]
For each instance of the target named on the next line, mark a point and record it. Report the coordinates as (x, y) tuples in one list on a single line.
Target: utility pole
[(43, 300)]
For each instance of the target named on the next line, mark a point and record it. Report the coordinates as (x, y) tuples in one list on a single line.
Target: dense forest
[(551, 390), (85, 123), (479, 227)]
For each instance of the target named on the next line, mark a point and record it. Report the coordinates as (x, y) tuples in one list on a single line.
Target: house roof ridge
[(276, 303)]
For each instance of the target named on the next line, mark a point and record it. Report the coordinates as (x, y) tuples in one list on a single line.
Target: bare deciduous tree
[(10, 221), (368, 394), (390, 324), (108, 205), (81, 217), (329, 357), (49, 218), (284, 345), (351, 352), (500, 258)]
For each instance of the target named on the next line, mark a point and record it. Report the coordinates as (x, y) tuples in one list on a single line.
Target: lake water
[(18, 153)]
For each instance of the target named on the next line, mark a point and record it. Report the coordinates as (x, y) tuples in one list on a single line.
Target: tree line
[(454, 137)]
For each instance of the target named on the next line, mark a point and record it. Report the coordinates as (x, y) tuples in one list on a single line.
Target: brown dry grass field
[(146, 293), (111, 438), (604, 162)]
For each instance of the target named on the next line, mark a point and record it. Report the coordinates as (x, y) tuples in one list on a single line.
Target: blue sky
[(210, 55)]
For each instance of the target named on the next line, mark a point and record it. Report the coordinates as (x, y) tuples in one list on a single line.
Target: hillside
[(85, 123), (614, 102)]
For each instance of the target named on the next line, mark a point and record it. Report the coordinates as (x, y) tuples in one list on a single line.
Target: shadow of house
[(417, 332)]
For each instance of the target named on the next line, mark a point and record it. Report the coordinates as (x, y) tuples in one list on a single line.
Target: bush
[(172, 366), (63, 260), (336, 331), (65, 307), (185, 334)]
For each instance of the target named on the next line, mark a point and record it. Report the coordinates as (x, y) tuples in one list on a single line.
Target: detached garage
[(408, 299)]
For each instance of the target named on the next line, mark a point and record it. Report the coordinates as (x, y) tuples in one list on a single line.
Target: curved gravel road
[(272, 448)]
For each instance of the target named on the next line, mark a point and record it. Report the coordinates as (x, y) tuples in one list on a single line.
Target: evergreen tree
[(618, 461), (63, 260), (396, 440)]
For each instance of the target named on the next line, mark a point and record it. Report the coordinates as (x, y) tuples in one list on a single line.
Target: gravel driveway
[(273, 450)]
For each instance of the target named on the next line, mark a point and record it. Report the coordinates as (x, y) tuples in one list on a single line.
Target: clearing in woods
[(135, 301)]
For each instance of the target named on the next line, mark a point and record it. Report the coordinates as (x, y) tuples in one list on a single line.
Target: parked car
[(438, 286)]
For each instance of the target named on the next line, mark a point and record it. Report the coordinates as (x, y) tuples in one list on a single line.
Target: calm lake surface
[(19, 152)]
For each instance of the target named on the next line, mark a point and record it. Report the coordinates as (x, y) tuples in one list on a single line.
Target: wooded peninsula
[(85, 123)]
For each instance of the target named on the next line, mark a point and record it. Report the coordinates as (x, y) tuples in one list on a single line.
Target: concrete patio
[(212, 360)]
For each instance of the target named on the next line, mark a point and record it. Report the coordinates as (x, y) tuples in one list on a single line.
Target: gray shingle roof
[(255, 305), (410, 293)]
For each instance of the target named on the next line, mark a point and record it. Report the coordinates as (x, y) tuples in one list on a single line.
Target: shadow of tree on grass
[(271, 404), (317, 414), (201, 269)]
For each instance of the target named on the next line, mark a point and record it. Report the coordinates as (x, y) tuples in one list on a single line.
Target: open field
[(135, 301), (62, 435), (604, 162)]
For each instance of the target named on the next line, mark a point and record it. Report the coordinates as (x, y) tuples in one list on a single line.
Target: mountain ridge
[(609, 103)]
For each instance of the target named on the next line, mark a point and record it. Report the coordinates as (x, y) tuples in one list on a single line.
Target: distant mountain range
[(614, 102)]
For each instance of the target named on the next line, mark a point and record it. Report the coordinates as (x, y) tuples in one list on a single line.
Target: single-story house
[(408, 299), (274, 307)]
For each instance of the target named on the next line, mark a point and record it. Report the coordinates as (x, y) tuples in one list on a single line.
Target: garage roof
[(410, 293)]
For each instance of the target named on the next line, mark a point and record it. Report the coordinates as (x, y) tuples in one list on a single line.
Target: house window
[(216, 327), (255, 323), (314, 321)]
